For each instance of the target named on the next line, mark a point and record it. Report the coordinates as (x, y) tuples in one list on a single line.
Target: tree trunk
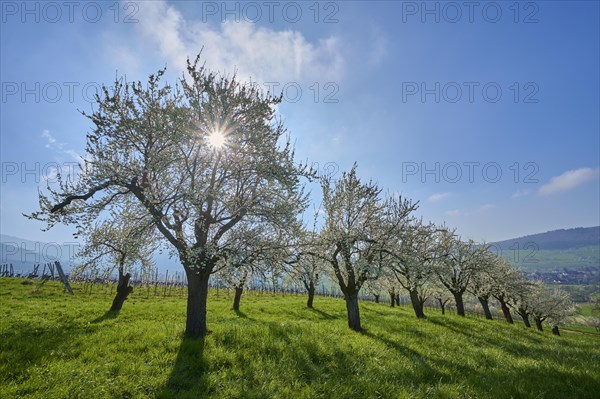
[(376, 298), (123, 291), (398, 299), (460, 306), (311, 296), (393, 299), (555, 330), (353, 312), (237, 297), (525, 316), (506, 311), (195, 325), (486, 307), (442, 305), (417, 304), (538, 323)]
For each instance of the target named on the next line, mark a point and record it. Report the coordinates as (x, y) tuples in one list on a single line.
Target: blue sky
[(489, 115)]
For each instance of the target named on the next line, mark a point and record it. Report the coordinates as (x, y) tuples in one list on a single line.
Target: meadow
[(53, 345)]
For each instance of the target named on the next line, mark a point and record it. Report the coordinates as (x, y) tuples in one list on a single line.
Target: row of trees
[(206, 168), (374, 242)]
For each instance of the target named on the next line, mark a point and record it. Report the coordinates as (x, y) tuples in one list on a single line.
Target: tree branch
[(84, 197)]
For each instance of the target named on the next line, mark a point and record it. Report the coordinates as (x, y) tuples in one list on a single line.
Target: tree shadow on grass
[(482, 338), (281, 351), (110, 314), (26, 345), (188, 378), (403, 350), (323, 315), (241, 314)]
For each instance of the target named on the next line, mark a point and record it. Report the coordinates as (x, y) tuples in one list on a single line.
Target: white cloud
[(466, 213), (80, 160), (49, 138), (520, 193), (120, 56), (255, 52), (569, 180), (60, 148), (439, 197)]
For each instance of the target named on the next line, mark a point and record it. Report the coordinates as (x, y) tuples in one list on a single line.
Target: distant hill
[(24, 254), (557, 239), (574, 249)]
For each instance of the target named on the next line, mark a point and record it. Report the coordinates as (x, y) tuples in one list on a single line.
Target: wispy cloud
[(453, 212), (569, 180), (520, 193), (481, 209), (259, 53), (438, 197), (50, 140), (61, 148)]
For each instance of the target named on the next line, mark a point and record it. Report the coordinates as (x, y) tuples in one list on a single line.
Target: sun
[(216, 139)]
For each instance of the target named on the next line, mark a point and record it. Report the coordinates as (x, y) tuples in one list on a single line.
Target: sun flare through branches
[(216, 139)]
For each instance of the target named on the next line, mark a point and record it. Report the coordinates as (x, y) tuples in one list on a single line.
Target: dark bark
[(239, 290), (376, 298), (506, 311), (555, 330), (525, 316), (460, 305), (311, 295), (538, 323), (83, 197), (398, 299), (195, 325), (353, 312), (484, 301), (392, 299), (442, 305), (417, 304), (123, 291), (237, 297)]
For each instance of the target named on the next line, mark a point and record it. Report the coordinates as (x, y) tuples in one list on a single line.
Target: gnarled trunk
[(239, 290), (353, 312), (538, 323), (311, 295), (525, 316), (506, 311), (195, 325), (460, 306), (376, 298), (123, 291), (417, 304), (484, 301)]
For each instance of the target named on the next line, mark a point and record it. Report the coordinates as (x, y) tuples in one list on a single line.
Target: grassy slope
[(53, 345)]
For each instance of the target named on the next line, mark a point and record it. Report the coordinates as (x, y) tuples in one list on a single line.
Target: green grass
[(587, 309), (53, 345), (532, 259)]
